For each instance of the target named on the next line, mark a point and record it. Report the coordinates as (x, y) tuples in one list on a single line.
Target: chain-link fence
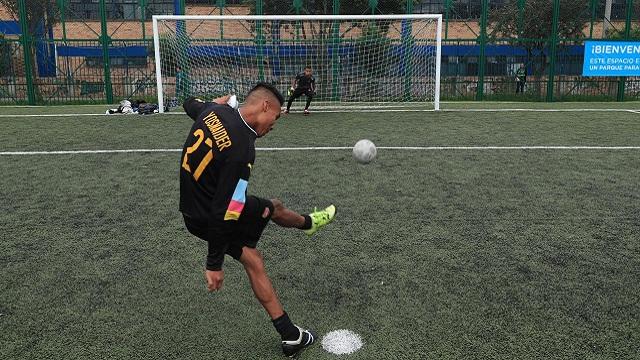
[(96, 51)]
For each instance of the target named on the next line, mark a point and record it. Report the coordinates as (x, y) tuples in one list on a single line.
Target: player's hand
[(222, 100), (214, 279)]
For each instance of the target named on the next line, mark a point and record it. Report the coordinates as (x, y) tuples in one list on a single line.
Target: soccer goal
[(358, 61)]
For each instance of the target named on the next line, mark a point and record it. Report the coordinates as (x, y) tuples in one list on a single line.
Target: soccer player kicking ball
[(303, 84), (216, 162)]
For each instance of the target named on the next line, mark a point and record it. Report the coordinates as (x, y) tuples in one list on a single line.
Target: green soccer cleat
[(321, 218)]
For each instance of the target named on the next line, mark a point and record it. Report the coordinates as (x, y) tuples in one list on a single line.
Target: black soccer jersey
[(215, 167), (305, 82)]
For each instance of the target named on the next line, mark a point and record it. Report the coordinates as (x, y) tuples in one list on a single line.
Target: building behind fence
[(101, 51)]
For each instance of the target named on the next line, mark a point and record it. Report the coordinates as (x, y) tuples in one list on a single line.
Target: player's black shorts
[(247, 231), (301, 91)]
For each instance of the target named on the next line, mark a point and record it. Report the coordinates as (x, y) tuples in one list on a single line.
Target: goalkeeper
[(303, 84)]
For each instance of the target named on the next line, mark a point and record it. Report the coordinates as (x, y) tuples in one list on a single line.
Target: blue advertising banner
[(611, 58)]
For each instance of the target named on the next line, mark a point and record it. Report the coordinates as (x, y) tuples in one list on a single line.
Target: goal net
[(358, 62)]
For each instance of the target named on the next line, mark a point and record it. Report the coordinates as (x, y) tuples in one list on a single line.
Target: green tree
[(531, 27), (5, 57), (634, 31), (37, 12), (325, 7)]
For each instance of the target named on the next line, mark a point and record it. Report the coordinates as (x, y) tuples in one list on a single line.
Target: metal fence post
[(594, 4), (221, 5), (483, 43), (62, 6), (553, 45), (25, 39), (260, 39), (106, 60), (521, 4), (447, 7), (406, 43), (627, 30), (143, 17), (373, 4), (335, 53)]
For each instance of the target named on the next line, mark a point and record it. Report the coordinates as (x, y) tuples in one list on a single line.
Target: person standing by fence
[(521, 78)]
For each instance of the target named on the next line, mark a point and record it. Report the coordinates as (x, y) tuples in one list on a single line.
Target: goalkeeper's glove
[(290, 91)]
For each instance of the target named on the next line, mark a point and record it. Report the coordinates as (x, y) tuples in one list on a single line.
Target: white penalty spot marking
[(341, 342)]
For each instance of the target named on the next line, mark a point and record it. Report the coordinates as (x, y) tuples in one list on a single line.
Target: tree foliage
[(325, 7), (322, 7), (634, 31), (536, 19), (37, 12), (531, 27), (5, 57)]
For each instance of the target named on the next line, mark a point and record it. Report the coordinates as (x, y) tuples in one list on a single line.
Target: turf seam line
[(309, 148), (348, 110)]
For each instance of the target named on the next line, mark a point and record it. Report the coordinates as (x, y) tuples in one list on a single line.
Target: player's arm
[(228, 203), (313, 85), (194, 107)]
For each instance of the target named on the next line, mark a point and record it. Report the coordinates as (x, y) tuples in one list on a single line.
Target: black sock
[(307, 222), (285, 328), (290, 102)]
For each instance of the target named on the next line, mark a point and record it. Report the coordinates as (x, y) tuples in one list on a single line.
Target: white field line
[(328, 148), (349, 110), (48, 115), (373, 110)]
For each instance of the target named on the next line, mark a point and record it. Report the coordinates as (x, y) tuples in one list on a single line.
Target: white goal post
[(358, 61)]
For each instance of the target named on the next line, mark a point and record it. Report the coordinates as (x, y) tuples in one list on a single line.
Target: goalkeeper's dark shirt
[(305, 82), (215, 166)]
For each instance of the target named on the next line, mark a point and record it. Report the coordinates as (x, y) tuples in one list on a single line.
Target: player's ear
[(265, 105)]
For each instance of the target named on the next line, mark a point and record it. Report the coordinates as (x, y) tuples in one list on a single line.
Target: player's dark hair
[(307, 67), (270, 88)]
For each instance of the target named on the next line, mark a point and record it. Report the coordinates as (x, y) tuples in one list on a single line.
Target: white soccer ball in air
[(364, 151)]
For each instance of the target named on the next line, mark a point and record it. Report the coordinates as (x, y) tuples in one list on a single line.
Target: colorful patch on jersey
[(237, 201)]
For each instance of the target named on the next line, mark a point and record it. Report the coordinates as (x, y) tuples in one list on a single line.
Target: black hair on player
[(270, 88)]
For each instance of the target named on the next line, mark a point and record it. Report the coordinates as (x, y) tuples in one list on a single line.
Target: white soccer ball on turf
[(364, 151)]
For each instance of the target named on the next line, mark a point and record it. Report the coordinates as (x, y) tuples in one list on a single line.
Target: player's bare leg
[(309, 223), (294, 338), (286, 217), (260, 282)]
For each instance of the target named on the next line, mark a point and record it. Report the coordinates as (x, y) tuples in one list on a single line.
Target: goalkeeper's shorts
[(302, 91)]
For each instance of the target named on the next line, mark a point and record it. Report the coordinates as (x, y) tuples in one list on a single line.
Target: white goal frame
[(156, 37)]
